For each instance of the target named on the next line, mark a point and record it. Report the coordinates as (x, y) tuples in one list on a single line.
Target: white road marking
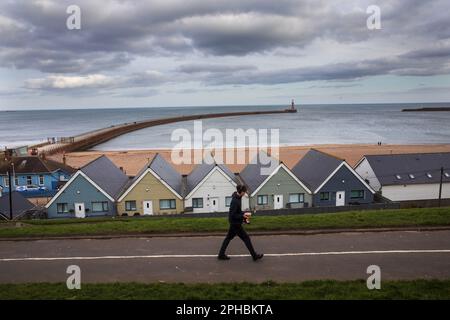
[(295, 254)]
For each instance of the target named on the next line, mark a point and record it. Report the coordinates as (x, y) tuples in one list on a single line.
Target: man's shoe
[(224, 257), (258, 256)]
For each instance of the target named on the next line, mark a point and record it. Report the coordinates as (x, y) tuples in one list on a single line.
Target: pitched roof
[(315, 167), (251, 174), (424, 168), (201, 171), (34, 164), (167, 173), (20, 204), (106, 175)]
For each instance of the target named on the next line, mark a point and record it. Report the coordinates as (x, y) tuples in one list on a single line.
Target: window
[(324, 196), (130, 205), (228, 201), (197, 202), (357, 194), (447, 175), (100, 206), (263, 199), (296, 197), (62, 208), (29, 180), (16, 181), (167, 204), (41, 179), (6, 179), (399, 177), (411, 176), (429, 175)]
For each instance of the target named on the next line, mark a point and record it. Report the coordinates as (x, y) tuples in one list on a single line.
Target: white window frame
[(6, 181)]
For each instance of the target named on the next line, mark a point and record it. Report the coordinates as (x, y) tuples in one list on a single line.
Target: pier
[(88, 140)]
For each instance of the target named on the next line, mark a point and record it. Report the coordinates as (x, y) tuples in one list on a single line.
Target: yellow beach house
[(155, 190)]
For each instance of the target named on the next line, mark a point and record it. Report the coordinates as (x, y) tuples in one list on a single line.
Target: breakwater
[(88, 140)]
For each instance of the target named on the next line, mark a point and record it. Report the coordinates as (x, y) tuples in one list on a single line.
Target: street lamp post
[(8, 155), (10, 193)]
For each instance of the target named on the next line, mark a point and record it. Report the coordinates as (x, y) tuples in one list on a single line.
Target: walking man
[(236, 218)]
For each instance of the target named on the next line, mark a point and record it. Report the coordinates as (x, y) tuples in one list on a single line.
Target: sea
[(313, 124)]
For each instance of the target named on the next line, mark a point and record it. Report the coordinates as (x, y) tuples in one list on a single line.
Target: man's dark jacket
[(236, 215)]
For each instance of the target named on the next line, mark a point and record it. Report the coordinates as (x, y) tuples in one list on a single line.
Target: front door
[(214, 204), (148, 208), (340, 198), (80, 211), (278, 202)]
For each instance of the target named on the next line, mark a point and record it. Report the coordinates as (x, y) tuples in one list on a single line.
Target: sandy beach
[(133, 161)]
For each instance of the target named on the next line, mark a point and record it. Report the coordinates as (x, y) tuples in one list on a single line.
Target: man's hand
[(247, 216)]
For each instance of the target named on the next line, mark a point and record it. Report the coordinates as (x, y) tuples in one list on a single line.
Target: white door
[(80, 211), (340, 198), (148, 208), (214, 204), (278, 202)]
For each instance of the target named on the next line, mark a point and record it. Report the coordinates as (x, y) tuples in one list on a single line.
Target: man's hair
[(240, 188)]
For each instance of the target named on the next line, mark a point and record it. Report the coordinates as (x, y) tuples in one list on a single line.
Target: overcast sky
[(223, 52)]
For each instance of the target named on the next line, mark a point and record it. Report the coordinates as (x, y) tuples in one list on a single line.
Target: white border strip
[(184, 256)]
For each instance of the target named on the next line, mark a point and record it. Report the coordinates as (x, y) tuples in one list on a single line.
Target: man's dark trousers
[(236, 229)]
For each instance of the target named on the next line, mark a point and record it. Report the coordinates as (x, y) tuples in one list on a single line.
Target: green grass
[(323, 290), (110, 226)]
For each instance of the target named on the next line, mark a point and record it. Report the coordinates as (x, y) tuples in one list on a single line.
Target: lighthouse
[(292, 108)]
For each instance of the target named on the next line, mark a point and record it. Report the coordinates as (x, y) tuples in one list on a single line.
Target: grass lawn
[(111, 226), (323, 290)]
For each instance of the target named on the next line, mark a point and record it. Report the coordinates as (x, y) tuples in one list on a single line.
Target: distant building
[(278, 190), (209, 188), (332, 181), (21, 205), (33, 176), (90, 192), (156, 190), (402, 177)]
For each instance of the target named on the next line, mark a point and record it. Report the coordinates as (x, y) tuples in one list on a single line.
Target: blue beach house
[(332, 180), (33, 176), (91, 192)]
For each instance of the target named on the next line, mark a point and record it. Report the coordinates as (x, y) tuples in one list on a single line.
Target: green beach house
[(273, 189)]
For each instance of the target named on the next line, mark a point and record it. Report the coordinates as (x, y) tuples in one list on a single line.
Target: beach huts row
[(100, 188), (321, 180)]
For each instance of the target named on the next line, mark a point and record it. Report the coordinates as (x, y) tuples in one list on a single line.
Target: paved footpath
[(289, 258)]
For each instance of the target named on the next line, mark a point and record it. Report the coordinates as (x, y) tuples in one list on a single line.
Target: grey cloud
[(95, 82), (213, 68), (114, 32), (409, 64)]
